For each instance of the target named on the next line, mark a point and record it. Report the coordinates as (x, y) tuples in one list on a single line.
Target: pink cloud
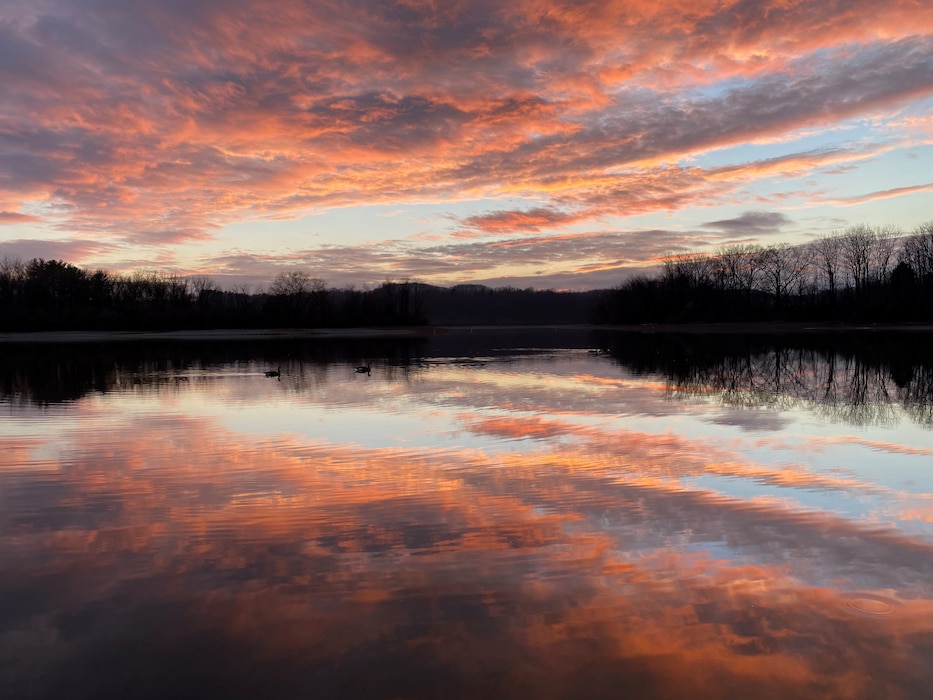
[(13, 217), (159, 124), (881, 194)]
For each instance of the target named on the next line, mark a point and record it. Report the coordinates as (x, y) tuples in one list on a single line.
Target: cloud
[(12, 217), (881, 194), (157, 125), (74, 252), (514, 221), (594, 258), (752, 223)]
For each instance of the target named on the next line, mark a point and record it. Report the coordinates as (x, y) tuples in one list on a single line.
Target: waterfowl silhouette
[(274, 372), (365, 370)]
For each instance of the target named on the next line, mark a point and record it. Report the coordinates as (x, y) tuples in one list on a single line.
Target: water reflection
[(48, 373), (531, 524), (859, 378)]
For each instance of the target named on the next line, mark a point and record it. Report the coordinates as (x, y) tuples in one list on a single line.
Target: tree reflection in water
[(856, 379)]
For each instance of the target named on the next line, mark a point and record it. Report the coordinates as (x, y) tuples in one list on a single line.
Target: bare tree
[(857, 246), (886, 242), (868, 253), (12, 273), (740, 267), (296, 289), (694, 269), (917, 252), (744, 265), (12, 267), (240, 294), (784, 267), (827, 259), (203, 289), (201, 283), (177, 289)]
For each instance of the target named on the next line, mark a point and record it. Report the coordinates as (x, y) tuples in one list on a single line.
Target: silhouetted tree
[(292, 293), (827, 260), (917, 253), (784, 268)]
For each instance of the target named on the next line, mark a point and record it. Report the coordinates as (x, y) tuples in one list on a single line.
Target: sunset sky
[(530, 142)]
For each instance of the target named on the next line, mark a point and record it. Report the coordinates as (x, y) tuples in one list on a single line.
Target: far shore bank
[(233, 334)]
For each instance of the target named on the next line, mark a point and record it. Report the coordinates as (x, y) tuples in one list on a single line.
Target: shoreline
[(202, 335), (233, 334)]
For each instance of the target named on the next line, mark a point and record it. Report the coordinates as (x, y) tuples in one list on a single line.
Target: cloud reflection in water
[(162, 553)]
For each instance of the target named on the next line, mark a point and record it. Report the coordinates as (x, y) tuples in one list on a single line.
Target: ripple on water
[(871, 604)]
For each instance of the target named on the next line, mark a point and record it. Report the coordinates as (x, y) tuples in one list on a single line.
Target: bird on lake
[(274, 372), (365, 369)]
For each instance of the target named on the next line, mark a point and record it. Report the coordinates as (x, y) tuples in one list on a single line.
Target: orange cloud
[(157, 127), (515, 221)]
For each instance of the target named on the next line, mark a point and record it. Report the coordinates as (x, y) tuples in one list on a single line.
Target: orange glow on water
[(539, 525)]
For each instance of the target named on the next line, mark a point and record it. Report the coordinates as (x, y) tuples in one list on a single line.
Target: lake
[(481, 515)]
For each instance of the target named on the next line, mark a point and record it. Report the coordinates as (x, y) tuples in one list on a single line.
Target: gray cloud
[(13, 217), (752, 223), (589, 260)]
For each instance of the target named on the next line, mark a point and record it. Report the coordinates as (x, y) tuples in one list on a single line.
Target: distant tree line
[(476, 304), (863, 273), (56, 295), (52, 294)]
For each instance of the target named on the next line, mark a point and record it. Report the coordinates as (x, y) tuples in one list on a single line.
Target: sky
[(532, 143)]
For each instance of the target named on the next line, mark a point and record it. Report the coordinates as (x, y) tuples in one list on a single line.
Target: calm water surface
[(472, 519)]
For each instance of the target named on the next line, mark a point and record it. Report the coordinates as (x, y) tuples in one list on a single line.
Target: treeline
[(862, 274), (56, 295), (478, 305)]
